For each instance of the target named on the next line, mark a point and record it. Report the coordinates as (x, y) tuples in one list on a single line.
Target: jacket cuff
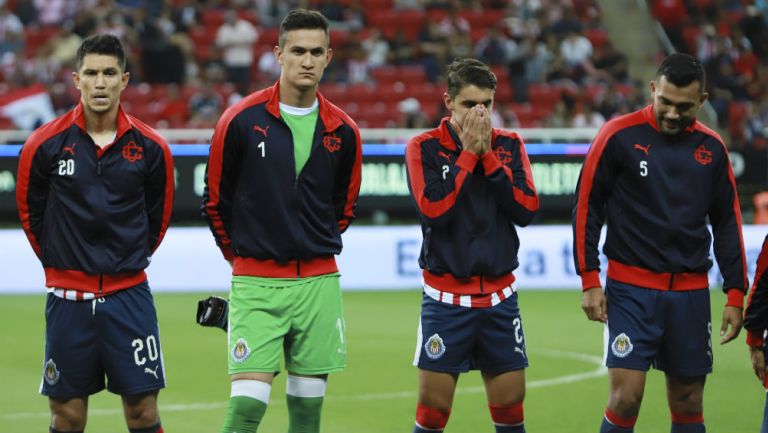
[(754, 339), (467, 161), (590, 279), (735, 298), (490, 162)]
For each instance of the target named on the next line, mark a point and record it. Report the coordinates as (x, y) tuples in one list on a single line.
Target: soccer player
[(472, 184), (756, 323), (655, 177), (94, 193), (281, 185)]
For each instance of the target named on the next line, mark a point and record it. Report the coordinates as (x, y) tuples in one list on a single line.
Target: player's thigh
[(130, 341), (259, 319), (500, 340), (446, 337), (635, 326), (687, 347), (685, 394), (141, 410), (436, 389), (316, 344), (505, 389), (72, 365), (68, 414)]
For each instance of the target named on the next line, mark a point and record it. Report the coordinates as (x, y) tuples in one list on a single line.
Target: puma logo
[(70, 149), (258, 128), (643, 148), (521, 351), (152, 372), (444, 155)]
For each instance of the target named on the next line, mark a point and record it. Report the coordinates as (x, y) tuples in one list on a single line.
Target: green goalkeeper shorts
[(302, 317)]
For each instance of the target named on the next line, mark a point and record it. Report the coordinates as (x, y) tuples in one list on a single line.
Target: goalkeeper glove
[(213, 311)]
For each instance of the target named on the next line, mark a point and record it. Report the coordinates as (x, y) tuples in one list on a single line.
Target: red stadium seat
[(544, 94), (35, 37), (212, 18), (598, 37)]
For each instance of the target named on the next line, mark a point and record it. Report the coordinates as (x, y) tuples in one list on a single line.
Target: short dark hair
[(682, 70), (299, 19), (466, 72), (108, 45)]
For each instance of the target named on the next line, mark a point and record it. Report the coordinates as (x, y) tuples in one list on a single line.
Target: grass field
[(567, 389)]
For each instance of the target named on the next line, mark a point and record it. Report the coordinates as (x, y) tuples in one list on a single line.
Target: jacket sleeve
[(512, 183), (592, 191), (347, 185), (756, 314), (221, 176), (32, 186), (158, 192), (435, 186), (725, 216)]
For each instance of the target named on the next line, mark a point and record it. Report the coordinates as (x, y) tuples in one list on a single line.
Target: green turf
[(378, 391)]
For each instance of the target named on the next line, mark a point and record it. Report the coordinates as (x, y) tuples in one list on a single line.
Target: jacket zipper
[(101, 284), (98, 167), (671, 281), (482, 289), (298, 268)]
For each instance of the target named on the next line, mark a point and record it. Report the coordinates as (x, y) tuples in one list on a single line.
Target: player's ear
[(448, 101), (76, 79), (278, 54), (126, 79), (328, 56)]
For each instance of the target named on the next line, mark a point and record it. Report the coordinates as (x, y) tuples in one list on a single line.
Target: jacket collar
[(651, 119), (328, 115), (124, 122)]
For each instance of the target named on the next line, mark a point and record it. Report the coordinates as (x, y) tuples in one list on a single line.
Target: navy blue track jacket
[(272, 221), (756, 314), (655, 192), (94, 216), (468, 207)]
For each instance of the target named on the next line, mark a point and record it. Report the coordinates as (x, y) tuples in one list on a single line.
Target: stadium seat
[(36, 37), (544, 94)]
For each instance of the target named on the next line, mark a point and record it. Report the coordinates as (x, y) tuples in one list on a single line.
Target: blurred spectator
[(494, 47), (205, 106), (608, 64), (236, 38), (64, 46), (358, 68), (11, 32), (432, 50), (411, 115), (332, 10), (26, 11), (672, 14), (576, 50), (162, 61), (587, 117), (376, 47), (539, 59), (354, 16), (453, 24), (269, 69), (186, 15), (401, 51), (270, 12), (559, 117), (755, 28), (54, 12)]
